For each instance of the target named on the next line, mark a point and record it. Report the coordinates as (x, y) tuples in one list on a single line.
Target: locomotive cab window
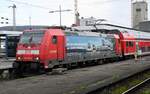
[(54, 39)]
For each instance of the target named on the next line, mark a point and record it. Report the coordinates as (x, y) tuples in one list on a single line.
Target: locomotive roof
[(72, 31), (86, 33)]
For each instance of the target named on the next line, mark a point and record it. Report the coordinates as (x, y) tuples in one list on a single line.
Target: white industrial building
[(87, 21)]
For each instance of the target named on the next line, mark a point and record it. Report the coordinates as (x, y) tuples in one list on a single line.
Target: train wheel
[(100, 62), (68, 66), (82, 64), (11, 75), (16, 73), (42, 70), (1, 73)]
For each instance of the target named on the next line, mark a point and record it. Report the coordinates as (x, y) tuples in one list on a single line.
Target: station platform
[(76, 81)]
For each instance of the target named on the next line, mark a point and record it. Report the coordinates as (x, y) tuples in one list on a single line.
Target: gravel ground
[(74, 81)]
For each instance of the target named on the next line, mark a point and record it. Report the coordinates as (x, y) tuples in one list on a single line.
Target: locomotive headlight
[(20, 51), (37, 58), (36, 52), (18, 58)]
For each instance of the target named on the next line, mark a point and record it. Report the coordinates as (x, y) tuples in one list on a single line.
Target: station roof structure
[(10, 32)]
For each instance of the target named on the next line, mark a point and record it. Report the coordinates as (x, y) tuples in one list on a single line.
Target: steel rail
[(136, 87)]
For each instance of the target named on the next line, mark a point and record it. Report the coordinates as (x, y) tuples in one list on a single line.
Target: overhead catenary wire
[(42, 7), (31, 4), (99, 2), (107, 1), (28, 4)]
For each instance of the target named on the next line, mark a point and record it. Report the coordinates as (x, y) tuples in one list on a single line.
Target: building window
[(138, 9)]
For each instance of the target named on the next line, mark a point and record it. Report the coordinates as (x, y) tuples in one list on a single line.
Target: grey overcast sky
[(114, 11)]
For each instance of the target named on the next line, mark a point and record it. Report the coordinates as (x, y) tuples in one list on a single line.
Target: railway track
[(134, 89), (139, 82), (6, 73)]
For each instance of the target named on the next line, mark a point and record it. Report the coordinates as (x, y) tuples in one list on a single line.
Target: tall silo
[(139, 12)]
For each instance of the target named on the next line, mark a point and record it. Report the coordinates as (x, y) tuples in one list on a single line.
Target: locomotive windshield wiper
[(31, 38)]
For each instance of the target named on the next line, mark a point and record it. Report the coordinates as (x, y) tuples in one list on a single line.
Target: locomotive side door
[(53, 48), (58, 47)]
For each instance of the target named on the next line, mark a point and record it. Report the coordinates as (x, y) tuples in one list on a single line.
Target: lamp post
[(60, 13), (14, 16)]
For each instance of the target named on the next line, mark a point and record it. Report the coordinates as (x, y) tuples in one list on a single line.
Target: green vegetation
[(146, 91), (119, 90), (124, 85)]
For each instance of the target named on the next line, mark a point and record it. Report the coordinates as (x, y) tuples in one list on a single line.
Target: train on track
[(7, 39), (54, 47)]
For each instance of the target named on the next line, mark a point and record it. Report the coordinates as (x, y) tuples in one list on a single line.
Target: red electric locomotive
[(42, 49)]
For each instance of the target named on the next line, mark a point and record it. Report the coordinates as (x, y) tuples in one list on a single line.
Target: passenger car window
[(129, 44)]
